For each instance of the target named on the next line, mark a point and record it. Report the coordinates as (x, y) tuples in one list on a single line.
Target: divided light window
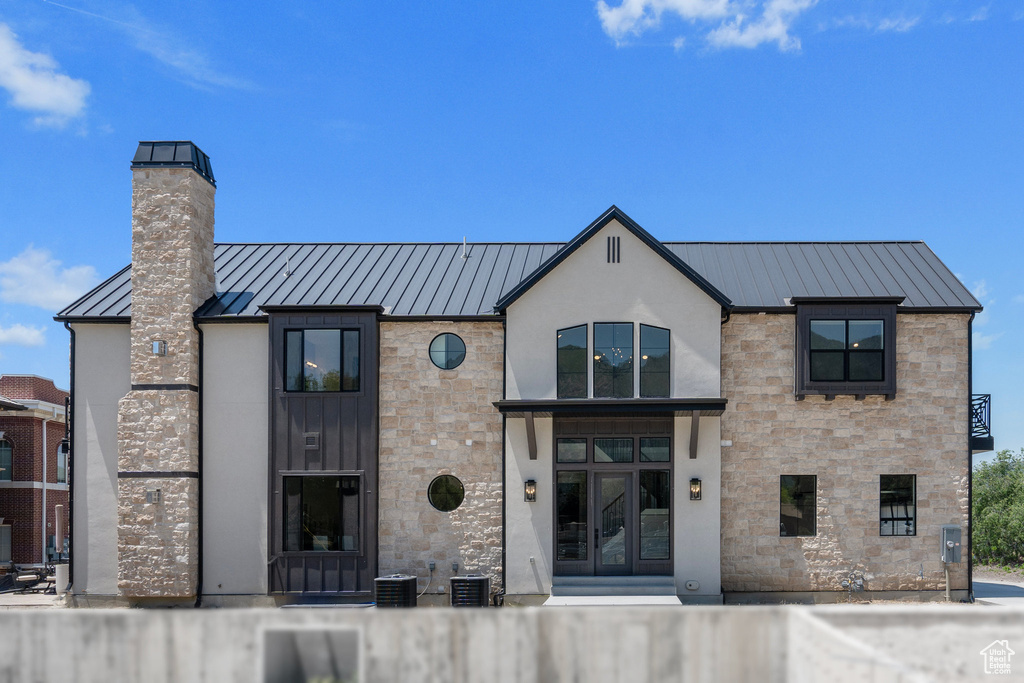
[(897, 505), (321, 513), (797, 506), (322, 360), (62, 463), (847, 350), (613, 360), (6, 461), (654, 361), (572, 362)]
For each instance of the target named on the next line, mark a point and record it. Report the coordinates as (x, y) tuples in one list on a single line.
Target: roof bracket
[(531, 436), (694, 431)]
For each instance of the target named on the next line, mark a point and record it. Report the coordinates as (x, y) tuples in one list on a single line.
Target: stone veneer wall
[(847, 444), (157, 426), (418, 403)]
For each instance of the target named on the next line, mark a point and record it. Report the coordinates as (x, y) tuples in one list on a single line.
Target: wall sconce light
[(695, 489), (530, 491), (159, 347)]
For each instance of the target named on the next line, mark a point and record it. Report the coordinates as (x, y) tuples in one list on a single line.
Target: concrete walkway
[(1004, 592)]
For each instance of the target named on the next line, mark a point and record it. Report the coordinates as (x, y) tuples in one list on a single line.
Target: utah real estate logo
[(997, 657)]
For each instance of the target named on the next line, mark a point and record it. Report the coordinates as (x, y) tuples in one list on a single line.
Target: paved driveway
[(1004, 592)]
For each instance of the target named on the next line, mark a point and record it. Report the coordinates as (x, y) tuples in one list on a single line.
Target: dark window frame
[(814, 507), (449, 355), (883, 309), (341, 359), (643, 363), (446, 477), (361, 509), (585, 353), (912, 518), (632, 361), (62, 463)]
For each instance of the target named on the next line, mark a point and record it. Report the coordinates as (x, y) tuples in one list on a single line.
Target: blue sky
[(702, 119)]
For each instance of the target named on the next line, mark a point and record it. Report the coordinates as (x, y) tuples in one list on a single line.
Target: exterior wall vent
[(472, 590), (397, 590), (311, 440), (614, 250)]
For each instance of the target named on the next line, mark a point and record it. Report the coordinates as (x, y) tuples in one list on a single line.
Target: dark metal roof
[(180, 153), (415, 279)]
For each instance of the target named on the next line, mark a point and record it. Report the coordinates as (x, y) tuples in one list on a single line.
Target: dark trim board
[(158, 475), (165, 387), (590, 407)]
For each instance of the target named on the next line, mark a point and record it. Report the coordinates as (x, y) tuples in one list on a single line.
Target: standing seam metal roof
[(432, 279)]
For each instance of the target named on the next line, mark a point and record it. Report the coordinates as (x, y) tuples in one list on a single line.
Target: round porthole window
[(446, 493), (447, 351)]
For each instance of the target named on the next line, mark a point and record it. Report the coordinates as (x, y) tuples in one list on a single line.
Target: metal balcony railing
[(981, 415)]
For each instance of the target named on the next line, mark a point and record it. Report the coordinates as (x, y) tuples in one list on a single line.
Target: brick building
[(32, 439), (702, 421)]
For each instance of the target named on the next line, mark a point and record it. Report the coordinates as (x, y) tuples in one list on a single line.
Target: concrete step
[(612, 585)]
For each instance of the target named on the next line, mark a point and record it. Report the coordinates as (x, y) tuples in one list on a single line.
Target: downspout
[(504, 464), (44, 489), (970, 460), (69, 416), (199, 468)]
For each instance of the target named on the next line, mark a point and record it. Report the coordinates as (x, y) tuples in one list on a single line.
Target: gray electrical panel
[(950, 543)]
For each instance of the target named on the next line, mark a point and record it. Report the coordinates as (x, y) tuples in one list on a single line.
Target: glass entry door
[(613, 524)]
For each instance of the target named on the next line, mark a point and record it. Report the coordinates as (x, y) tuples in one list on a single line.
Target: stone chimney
[(158, 420)]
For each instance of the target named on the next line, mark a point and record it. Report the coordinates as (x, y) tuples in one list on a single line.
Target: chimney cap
[(175, 154)]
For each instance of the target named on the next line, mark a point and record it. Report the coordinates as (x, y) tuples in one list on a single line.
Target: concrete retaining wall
[(696, 644)]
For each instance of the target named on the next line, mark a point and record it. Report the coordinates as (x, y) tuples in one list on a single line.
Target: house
[(33, 469), (264, 423)]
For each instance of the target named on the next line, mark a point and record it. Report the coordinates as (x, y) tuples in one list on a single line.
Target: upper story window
[(6, 460), (655, 378), (846, 348), (572, 362), (613, 360), (62, 462), (322, 360), (447, 351)]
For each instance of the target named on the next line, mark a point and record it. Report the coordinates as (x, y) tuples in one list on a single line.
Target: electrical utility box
[(950, 543)]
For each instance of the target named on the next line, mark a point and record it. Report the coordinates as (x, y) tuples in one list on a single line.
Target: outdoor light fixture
[(159, 347), (530, 492), (695, 489)]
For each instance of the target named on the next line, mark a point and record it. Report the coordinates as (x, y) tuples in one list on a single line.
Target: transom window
[(321, 513), (322, 360), (897, 500), (847, 350), (6, 460)]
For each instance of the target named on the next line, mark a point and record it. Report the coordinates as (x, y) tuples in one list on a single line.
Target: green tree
[(998, 534)]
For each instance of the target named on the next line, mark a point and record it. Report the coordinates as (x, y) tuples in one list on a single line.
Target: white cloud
[(35, 278), (771, 27), (20, 335), (980, 290), (1019, 299), (982, 342), (898, 24), (730, 23), (636, 16), (980, 15), (35, 83)]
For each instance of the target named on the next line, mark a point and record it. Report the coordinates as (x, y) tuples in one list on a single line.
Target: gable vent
[(614, 249)]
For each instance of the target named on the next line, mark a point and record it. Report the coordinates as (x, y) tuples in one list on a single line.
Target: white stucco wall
[(235, 459), (583, 289), (101, 380), (641, 288)]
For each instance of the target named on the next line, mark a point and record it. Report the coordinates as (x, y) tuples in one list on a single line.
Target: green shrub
[(998, 533)]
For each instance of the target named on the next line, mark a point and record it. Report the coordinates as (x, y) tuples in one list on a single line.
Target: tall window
[(321, 513), (654, 361), (847, 350), (322, 360), (797, 506), (62, 463), (897, 505), (572, 362), (613, 360), (6, 461)]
